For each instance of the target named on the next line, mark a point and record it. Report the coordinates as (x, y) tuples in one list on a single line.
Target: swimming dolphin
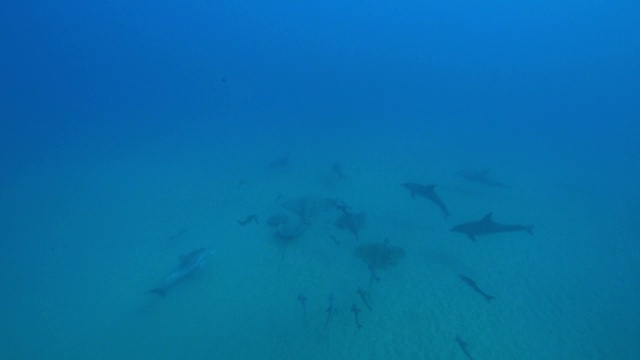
[(475, 287), (188, 264), (427, 192), (482, 177), (487, 226)]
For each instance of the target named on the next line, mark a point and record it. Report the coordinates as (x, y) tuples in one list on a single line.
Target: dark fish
[(336, 170), (188, 264), (303, 301), (248, 219), (486, 226), (475, 287), (356, 313), (331, 312), (482, 177), (427, 192), (279, 163), (463, 346), (364, 296), (178, 234)]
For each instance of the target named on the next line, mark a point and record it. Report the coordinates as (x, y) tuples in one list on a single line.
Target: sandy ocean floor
[(102, 239)]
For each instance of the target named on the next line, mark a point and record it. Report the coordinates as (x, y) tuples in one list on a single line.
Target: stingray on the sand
[(308, 207), (284, 230), (379, 255), (353, 223)]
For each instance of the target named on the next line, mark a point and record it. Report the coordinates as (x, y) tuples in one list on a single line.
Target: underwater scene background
[(252, 179)]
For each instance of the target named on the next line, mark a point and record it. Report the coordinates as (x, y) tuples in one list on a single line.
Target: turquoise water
[(134, 134)]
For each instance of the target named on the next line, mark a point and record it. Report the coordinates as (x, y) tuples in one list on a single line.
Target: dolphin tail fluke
[(157, 291), (489, 298), (529, 230)]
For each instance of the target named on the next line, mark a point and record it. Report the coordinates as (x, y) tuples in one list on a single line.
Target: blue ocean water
[(134, 133)]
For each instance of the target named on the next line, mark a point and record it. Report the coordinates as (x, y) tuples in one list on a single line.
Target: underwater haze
[(320, 180)]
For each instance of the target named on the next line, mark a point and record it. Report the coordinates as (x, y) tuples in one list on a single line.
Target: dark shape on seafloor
[(463, 346), (487, 226), (302, 299), (178, 234), (308, 207), (364, 296), (353, 223), (248, 219), (331, 312), (356, 312), (278, 219), (336, 170), (427, 192), (482, 177), (281, 162), (379, 255)]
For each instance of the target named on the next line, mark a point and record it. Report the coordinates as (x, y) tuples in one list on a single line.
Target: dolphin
[(482, 177), (487, 226), (188, 264), (475, 287), (427, 192)]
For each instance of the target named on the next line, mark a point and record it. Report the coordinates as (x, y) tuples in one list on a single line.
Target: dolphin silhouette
[(188, 265), (486, 226), (467, 280), (426, 191)]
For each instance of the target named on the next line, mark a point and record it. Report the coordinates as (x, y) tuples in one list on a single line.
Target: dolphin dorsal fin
[(487, 218)]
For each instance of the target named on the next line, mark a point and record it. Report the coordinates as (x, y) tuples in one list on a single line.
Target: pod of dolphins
[(297, 215)]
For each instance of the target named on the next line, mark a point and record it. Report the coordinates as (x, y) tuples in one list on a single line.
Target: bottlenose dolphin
[(427, 192), (487, 226), (475, 287), (188, 264), (482, 177)]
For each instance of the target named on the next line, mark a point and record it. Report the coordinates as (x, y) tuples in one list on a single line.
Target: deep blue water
[(132, 133)]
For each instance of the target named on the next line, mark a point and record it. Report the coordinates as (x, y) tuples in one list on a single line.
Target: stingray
[(285, 231), (308, 207), (288, 232), (379, 256), (351, 222)]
